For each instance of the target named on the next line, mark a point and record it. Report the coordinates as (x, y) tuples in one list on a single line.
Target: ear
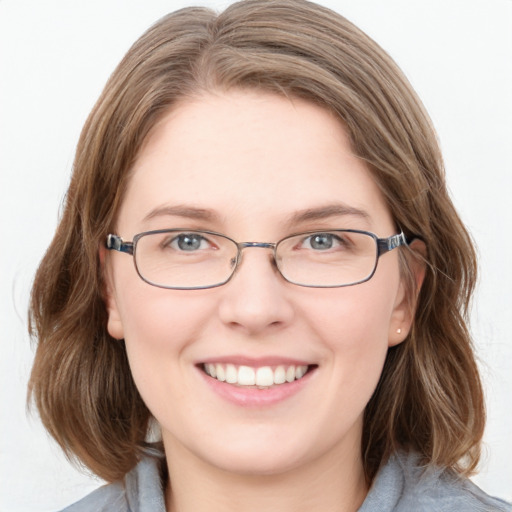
[(410, 285), (114, 323)]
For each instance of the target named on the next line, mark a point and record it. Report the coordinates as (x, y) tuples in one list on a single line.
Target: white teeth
[(290, 374), (279, 375), (300, 371), (211, 370), (221, 374), (231, 374), (246, 376), (262, 377)]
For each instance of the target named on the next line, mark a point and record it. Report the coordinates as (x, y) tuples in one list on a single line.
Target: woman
[(258, 254)]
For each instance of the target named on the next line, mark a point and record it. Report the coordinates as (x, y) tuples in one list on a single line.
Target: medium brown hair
[(429, 398)]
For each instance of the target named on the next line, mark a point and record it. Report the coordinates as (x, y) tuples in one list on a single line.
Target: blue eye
[(189, 242), (322, 241)]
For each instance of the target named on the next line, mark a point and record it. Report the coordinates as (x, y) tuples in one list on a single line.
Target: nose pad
[(236, 261)]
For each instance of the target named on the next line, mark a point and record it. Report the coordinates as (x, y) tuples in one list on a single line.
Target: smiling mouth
[(262, 377)]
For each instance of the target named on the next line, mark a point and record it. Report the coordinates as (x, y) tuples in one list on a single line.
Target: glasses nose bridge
[(258, 245), (261, 245)]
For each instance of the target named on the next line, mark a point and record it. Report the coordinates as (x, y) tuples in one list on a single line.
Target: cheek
[(159, 327), (159, 318), (353, 325), (353, 317)]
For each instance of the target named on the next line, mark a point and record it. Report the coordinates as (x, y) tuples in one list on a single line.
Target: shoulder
[(109, 497), (403, 484), (139, 491)]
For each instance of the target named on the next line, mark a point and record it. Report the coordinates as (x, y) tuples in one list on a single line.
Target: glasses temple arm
[(388, 244), (116, 243)]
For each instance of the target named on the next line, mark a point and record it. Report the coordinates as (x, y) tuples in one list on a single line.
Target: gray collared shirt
[(401, 485)]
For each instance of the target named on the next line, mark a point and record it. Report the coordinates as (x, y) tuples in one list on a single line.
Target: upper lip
[(256, 362)]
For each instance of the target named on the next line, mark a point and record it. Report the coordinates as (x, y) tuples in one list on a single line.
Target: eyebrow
[(189, 212), (325, 212), (301, 216)]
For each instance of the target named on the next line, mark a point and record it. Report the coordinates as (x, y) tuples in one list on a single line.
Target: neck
[(333, 483)]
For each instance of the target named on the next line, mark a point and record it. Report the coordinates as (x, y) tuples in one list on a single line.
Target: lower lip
[(254, 397)]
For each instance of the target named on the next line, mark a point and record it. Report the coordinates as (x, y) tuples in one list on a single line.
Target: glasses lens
[(327, 259), (185, 259)]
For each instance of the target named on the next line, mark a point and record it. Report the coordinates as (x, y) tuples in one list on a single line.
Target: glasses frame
[(383, 245)]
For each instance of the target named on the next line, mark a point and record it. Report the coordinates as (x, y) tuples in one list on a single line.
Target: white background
[(55, 57)]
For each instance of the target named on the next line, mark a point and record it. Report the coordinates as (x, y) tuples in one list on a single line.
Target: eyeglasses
[(183, 259)]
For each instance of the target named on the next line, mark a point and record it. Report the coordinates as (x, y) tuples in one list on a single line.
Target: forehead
[(249, 158)]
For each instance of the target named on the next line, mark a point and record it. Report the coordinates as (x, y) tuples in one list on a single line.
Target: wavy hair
[(429, 398)]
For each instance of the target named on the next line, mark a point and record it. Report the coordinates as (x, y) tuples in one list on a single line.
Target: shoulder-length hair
[(429, 398)]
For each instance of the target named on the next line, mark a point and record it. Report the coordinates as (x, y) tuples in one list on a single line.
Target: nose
[(256, 299)]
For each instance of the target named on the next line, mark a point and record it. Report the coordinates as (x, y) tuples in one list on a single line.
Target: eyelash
[(181, 236), (336, 240), (177, 241)]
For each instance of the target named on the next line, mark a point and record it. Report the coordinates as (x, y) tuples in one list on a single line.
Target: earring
[(399, 330)]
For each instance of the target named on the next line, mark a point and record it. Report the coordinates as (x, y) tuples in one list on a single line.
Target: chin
[(258, 462), (256, 453)]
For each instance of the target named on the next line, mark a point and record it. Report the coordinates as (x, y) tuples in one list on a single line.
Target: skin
[(256, 159)]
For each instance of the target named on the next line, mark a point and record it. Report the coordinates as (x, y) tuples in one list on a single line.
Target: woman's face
[(255, 167)]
